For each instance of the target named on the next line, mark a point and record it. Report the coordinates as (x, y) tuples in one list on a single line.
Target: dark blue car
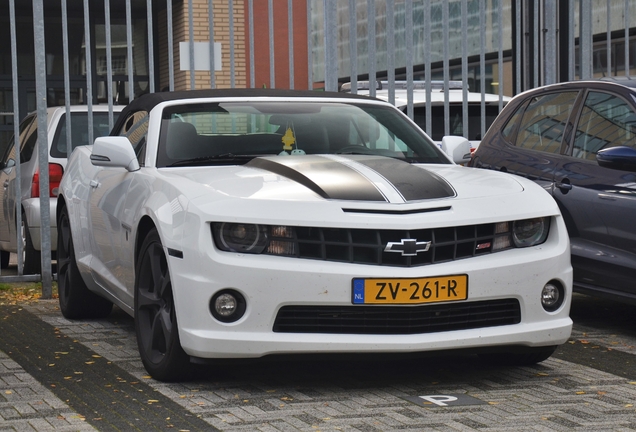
[(578, 140)]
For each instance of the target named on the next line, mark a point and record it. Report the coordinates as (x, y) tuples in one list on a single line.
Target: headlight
[(530, 232), (521, 233), (238, 237), (255, 239)]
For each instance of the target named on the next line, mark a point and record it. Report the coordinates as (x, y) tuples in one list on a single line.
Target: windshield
[(235, 132)]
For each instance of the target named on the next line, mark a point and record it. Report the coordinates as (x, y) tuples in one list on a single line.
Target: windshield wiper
[(224, 158)]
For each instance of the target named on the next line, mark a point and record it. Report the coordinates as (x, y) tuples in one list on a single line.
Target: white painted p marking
[(439, 400)]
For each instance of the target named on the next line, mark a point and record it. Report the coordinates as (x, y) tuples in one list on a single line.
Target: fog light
[(551, 296), (227, 306)]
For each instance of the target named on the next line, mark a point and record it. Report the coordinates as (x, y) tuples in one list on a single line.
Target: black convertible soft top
[(150, 100)]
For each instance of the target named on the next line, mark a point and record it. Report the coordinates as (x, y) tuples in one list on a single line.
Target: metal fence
[(315, 44)]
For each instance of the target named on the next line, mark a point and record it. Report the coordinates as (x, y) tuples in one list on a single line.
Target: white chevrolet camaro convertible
[(243, 223)]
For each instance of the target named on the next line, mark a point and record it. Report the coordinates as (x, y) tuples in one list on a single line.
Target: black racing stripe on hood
[(414, 183), (329, 179)]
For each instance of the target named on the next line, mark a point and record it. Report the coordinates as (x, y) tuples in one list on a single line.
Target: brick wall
[(201, 30)]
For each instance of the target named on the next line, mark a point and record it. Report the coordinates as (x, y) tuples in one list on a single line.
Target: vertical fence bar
[(67, 84), (608, 41), (89, 71), (310, 48), (151, 47), (427, 65), (191, 43), (571, 43), (390, 48), (109, 63), (626, 14), (169, 20), (550, 43), (518, 53), (290, 31), (250, 13), (211, 39), (408, 25), (43, 148), (500, 53), (585, 39), (131, 84), (232, 66), (270, 21), (16, 124), (371, 45), (482, 65), (535, 32), (465, 67), (331, 58), (445, 51), (353, 46)]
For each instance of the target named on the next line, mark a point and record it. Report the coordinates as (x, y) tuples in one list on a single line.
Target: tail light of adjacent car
[(55, 177)]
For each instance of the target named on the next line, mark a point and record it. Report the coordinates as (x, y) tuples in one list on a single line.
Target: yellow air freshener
[(288, 139)]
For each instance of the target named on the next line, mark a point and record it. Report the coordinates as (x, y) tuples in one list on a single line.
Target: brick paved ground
[(317, 395)]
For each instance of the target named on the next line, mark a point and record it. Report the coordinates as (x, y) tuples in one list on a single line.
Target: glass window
[(508, 131), (196, 133), (79, 131), (544, 122), (135, 129), (456, 119), (606, 121)]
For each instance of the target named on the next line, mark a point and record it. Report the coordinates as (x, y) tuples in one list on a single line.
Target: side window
[(606, 121), (135, 129), (30, 140), (508, 131), (26, 125), (544, 120)]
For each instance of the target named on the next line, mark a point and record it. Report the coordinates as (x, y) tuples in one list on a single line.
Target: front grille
[(397, 319), (364, 246)]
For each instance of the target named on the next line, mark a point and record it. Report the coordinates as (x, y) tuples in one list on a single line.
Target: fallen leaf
[(580, 392)]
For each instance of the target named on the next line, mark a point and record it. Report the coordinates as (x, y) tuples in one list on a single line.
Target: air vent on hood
[(396, 212)]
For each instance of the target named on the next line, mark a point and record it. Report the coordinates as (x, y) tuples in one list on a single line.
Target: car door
[(28, 138), (111, 216), (543, 121), (598, 203)]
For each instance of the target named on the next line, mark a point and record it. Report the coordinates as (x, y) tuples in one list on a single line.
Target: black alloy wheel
[(76, 300), (155, 315)]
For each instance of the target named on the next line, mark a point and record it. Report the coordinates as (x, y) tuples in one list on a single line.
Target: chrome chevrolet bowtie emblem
[(408, 247)]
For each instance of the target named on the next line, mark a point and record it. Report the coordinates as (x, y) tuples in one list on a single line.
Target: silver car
[(29, 178)]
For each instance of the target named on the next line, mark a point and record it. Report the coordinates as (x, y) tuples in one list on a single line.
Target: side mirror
[(116, 152), (10, 164), (457, 148), (620, 158)]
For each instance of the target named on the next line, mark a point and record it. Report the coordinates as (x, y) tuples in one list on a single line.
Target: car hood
[(354, 178)]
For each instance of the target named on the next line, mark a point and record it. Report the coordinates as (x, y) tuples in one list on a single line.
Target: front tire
[(76, 300), (155, 316)]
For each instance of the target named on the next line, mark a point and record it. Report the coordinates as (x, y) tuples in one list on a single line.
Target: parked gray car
[(29, 178), (578, 140)]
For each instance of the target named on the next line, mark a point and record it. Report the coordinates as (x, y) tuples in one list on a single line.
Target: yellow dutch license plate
[(410, 291)]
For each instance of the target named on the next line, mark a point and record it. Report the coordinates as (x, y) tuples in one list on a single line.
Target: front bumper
[(269, 283)]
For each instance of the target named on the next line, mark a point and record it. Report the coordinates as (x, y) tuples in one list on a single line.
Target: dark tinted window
[(508, 131), (25, 128), (79, 131), (544, 122), (606, 121), (456, 120), (135, 129)]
